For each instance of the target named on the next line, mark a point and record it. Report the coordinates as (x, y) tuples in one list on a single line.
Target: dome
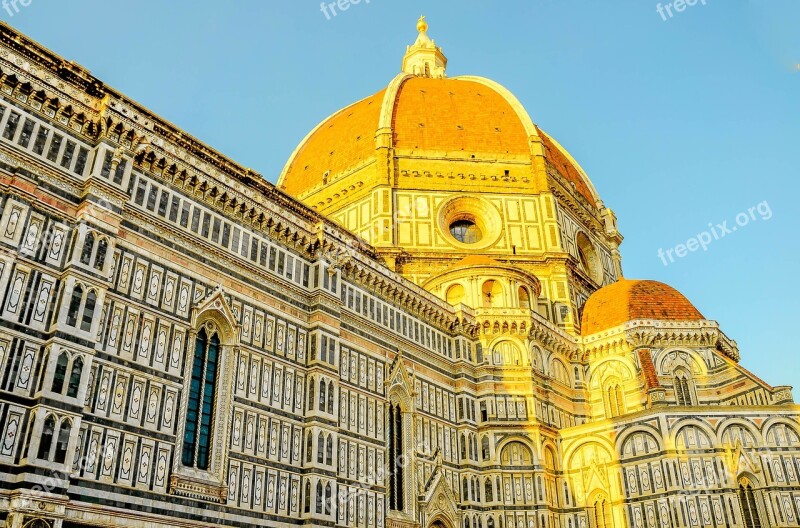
[(422, 113), (628, 300)]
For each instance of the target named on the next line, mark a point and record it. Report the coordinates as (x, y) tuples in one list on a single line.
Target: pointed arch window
[(100, 257), (320, 449), (62, 442), (329, 451), (615, 404), (328, 495), (307, 498), (75, 378), (88, 246), (200, 411), (74, 305), (330, 397), (601, 512), (395, 458), (60, 373), (311, 402), (318, 508), (747, 501), (309, 447), (322, 395), (46, 442), (88, 311), (682, 387)]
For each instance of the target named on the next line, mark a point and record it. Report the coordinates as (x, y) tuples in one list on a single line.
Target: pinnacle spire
[(424, 58)]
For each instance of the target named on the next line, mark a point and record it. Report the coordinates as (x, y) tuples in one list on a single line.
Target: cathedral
[(423, 324)]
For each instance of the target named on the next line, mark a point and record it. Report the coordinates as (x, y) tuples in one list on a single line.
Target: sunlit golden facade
[(424, 324)]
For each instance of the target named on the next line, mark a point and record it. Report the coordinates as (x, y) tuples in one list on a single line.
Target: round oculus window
[(466, 231)]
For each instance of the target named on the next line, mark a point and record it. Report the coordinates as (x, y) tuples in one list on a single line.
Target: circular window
[(466, 231), (470, 221)]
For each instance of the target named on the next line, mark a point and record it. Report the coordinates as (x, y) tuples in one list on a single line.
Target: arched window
[(200, 411), (490, 522), (328, 496), (62, 444), (485, 448), (60, 373), (601, 512), (524, 298), (75, 378), (463, 447), (747, 501), (516, 454), (322, 398), (100, 257), (465, 489), (311, 386), (88, 246), (683, 393), (491, 294), (329, 451), (307, 498), (88, 311), (319, 507), (46, 442), (396, 458), (320, 448), (331, 394), (615, 405), (488, 495), (74, 305), (455, 294), (309, 447)]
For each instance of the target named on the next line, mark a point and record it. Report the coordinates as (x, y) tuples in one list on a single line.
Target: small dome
[(628, 300)]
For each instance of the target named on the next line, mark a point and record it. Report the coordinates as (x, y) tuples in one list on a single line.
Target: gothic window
[(615, 406), (747, 501), (490, 522), (100, 258), (200, 411), (318, 508), (46, 441), (88, 311), (311, 400), (683, 393), (62, 443), (309, 447), (75, 378), (88, 246), (465, 489), (329, 451), (320, 449), (60, 373), (307, 498), (601, 512), (485, 448), (328, 498), (74, 305), (330, 397), (489, 496), (396, 458), (322, 398)]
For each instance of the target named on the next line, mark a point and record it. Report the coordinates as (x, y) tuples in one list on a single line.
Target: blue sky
[(680, 122)]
